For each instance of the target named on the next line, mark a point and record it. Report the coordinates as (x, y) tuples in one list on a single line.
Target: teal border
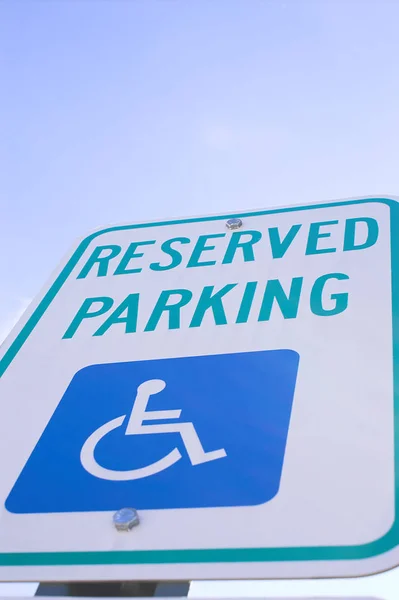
[(226, 555)]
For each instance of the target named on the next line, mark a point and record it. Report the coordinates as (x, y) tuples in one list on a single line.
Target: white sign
[(233, 385)]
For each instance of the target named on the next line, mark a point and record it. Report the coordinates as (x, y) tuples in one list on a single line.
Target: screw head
[(125, 519), (233, 224)]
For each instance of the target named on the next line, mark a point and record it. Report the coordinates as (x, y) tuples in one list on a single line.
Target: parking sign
[(228, 379)]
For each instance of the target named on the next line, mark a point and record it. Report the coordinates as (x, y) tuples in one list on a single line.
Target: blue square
[(202, 431)]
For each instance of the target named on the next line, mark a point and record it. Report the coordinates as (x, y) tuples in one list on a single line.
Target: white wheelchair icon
[(135, 426)]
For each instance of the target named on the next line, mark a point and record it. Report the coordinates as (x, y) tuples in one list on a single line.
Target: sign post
[(208, 398)]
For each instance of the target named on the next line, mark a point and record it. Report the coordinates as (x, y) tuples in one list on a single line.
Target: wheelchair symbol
[(135, 426)]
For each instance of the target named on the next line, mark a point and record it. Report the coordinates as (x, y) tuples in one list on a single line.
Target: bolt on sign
[(209, 397)]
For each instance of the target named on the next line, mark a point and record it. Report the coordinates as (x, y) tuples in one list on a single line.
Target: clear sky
[(116, 111)]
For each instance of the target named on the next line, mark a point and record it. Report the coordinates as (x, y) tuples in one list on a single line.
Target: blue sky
[(116, 111)]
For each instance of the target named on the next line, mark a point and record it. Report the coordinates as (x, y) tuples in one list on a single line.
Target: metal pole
[(141, 589)]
